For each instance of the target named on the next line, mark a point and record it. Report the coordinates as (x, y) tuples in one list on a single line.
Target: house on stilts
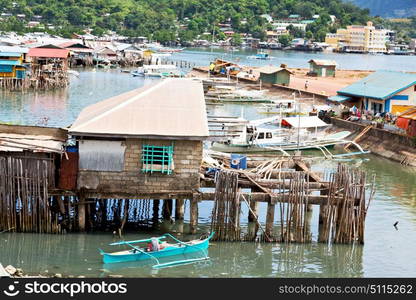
[(143, 144)]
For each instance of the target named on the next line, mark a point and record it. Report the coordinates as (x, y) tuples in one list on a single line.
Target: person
[(211, 68), (306, 84)]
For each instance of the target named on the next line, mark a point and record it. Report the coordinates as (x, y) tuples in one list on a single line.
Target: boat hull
[(220, 147), (169, 251)]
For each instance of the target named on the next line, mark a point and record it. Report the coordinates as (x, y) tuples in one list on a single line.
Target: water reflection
[(77, 254)]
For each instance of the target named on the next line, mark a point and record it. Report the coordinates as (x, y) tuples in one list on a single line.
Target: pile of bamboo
[(346, 209), (294, 225), (25, 205), (225, 221)]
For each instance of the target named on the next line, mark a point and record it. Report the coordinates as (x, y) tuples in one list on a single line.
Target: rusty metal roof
[(20, 142), (171, 109)]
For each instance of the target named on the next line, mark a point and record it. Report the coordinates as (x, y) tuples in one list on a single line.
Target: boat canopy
[(304, 122), (339, 98)]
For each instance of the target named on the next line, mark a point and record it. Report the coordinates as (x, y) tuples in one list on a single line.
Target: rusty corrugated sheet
[(69, 171)]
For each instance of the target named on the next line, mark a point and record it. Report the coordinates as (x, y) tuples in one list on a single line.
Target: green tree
[(236, 39), (285, 39)]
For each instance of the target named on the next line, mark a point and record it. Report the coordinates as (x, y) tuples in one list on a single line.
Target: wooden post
[(322, 216), (194, 213), (179, 209), (81, 213), (167, 209), (270, 220), (254, 207), (155, 218)]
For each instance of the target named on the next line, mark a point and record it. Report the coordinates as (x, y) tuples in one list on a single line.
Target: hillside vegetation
[(165, 20)]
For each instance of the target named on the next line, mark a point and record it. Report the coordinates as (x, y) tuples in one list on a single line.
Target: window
[(157, 159), (260, 136), (268, 135)]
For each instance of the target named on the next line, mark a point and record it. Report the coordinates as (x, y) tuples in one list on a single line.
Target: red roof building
[(48, 53)]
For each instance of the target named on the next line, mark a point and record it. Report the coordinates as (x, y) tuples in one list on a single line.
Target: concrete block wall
[(187, 157)]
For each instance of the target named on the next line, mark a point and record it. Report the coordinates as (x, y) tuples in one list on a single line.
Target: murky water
[(387, 252)]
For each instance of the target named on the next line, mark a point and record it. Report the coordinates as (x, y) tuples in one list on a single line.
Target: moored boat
[(155, 248), (161, 71)]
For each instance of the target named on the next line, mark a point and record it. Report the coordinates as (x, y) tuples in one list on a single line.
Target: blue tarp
[(339, 98)]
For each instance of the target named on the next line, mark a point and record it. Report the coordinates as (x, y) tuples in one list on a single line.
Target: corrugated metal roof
[(10, 142), (5, 62), (323, 62), (10, 54), (14, 49), (380, 85), (271, 70), (339, 98), (170, 108), (48, 52)]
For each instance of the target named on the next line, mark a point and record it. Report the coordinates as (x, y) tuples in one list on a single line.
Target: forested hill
[(388, 8), (165, 19)]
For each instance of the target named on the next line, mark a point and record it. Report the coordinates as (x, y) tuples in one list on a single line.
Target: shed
[(144, 141), (11, 65), (383, 91), (322, 68), (275, 75)]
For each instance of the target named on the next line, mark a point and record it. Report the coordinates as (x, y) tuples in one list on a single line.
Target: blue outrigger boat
[(137, 253)]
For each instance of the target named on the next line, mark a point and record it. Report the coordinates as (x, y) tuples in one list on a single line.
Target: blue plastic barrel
[(238, 161)]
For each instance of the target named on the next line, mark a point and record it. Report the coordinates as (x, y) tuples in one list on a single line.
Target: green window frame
[(157, 159)]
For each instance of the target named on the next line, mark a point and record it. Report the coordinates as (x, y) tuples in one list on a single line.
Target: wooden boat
[(137, 253), (262, 56), (303, 135), (160, 71)]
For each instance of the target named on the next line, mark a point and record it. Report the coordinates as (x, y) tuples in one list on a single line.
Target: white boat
[(301, 134), (280, 106), (160, 71)]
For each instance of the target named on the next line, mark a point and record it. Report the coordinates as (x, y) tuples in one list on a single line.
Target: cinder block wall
[(187, 157)]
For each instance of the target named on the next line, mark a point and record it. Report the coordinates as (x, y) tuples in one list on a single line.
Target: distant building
[(267, 17), (358, 38), (294, 17), (33, 24), (11, 65), (382, 91), (322, 68), (412, 44), (274, 75), (283, 25)]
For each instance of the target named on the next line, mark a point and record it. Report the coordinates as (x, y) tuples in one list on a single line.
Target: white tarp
[(305, 122)]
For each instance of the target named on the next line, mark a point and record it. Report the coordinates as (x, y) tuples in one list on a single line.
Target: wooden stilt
[(155, 218), (194, 214), (270, 220), (179, 209), (254, 207), (167, 209), (81, 213)]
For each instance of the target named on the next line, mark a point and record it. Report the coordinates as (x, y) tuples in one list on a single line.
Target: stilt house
[(143, 143)]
